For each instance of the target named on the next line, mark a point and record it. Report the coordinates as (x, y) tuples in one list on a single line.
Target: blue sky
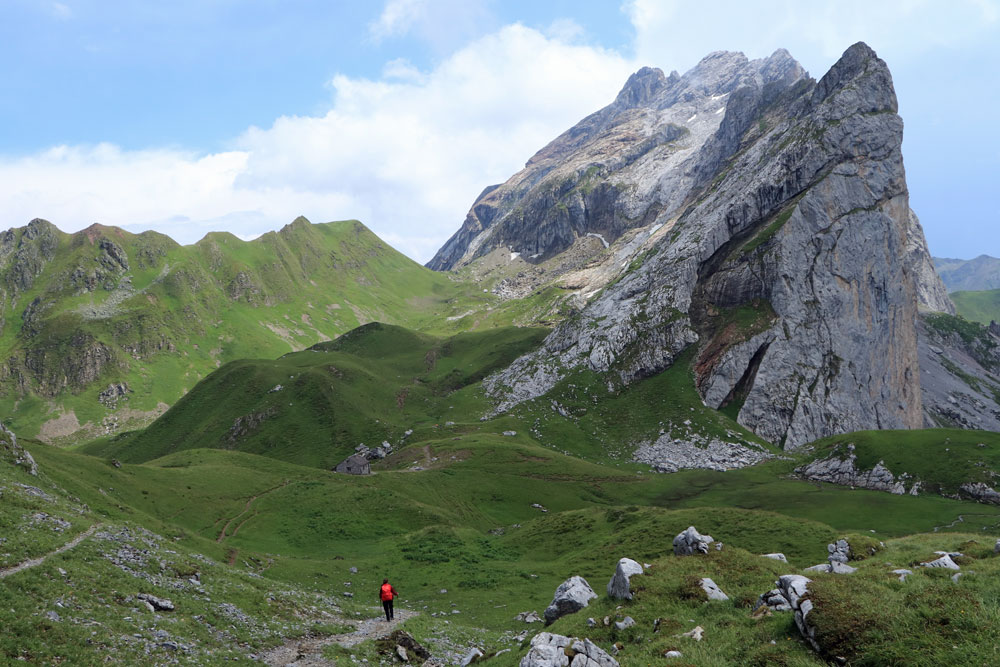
[(196, 115)]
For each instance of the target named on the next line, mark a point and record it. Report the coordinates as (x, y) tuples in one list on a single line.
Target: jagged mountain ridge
[(595, 179), (103, 329), (781, 241)]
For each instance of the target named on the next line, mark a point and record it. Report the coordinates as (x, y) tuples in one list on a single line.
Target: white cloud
[(406, 154), (675, 34), (397, 18), (60, 11)]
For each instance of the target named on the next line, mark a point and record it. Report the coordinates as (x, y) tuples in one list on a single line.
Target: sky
[(192, 116)]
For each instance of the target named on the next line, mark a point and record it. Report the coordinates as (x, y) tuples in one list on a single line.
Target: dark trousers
[(387, 605)]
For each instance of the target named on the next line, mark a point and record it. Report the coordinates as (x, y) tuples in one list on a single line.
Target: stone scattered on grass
[(159, 604), (776, 556), (695, 633), (903, 574), (712, 590), (691, 542), (619, 585), (549, 650), (944, 561), (572, 595), (626, 622)]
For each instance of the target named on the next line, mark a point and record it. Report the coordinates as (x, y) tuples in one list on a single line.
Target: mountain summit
[(744, 207)]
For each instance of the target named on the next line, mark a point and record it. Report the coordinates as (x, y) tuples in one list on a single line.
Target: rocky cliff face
[(778, 239), (634, 161), (959, 372)]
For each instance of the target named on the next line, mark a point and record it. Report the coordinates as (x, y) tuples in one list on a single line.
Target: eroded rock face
[(572, 595), (786, 250)]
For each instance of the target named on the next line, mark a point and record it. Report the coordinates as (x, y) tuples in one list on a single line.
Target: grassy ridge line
[(180, 311)]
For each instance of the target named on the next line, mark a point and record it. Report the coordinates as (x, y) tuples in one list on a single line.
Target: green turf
[(978, 306)]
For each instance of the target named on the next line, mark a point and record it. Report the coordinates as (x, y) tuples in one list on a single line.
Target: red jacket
[(387, 592)]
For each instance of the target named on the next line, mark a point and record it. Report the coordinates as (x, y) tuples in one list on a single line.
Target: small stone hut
[(355, 464)]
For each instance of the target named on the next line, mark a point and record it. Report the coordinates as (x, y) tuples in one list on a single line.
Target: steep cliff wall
[(785, 249)]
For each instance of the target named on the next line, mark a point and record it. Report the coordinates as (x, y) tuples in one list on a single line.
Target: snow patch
[(652, 230), (691, 118), (514, 255), (721, 109)]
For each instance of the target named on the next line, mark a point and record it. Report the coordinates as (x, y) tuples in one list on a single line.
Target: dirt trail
[(246, 508), (308, 652), (33, 562)]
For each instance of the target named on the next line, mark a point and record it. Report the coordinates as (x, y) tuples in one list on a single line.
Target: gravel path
[(308, 652), (33, 562)]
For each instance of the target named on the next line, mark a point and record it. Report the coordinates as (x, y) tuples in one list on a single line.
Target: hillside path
[(246, 508), (308, 652), (34, 562)]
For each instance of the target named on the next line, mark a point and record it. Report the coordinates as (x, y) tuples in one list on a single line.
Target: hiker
[(386, 594)]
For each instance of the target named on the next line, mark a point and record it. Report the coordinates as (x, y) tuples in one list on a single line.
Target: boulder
[(572, 595), (903, 574), (691, 542), (400, 639), (773, 600), (549, 650), (626, 622), (619, 587), (528, 617), (996, 547), (833, 567), (712, 590), (472, 656), (776, 556), (673, 654), (159, 604), (944, 561)]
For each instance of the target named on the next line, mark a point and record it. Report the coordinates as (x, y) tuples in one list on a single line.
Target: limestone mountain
[(749, 210), (104, 329)]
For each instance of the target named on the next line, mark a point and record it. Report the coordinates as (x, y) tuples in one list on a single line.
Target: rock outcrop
[(840, 468), (778, 238), (619, 586), (572, 595), (794, 588), (14, 453), (549, 650), (691, 542)]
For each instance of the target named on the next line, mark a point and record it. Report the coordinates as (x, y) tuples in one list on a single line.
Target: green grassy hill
[(982, 306), (79, 312), (314, 407), (281, 538)]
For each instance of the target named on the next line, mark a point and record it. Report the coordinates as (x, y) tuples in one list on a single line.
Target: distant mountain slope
[(744, 210), (979, 306), (103, 329), (981, 273)]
